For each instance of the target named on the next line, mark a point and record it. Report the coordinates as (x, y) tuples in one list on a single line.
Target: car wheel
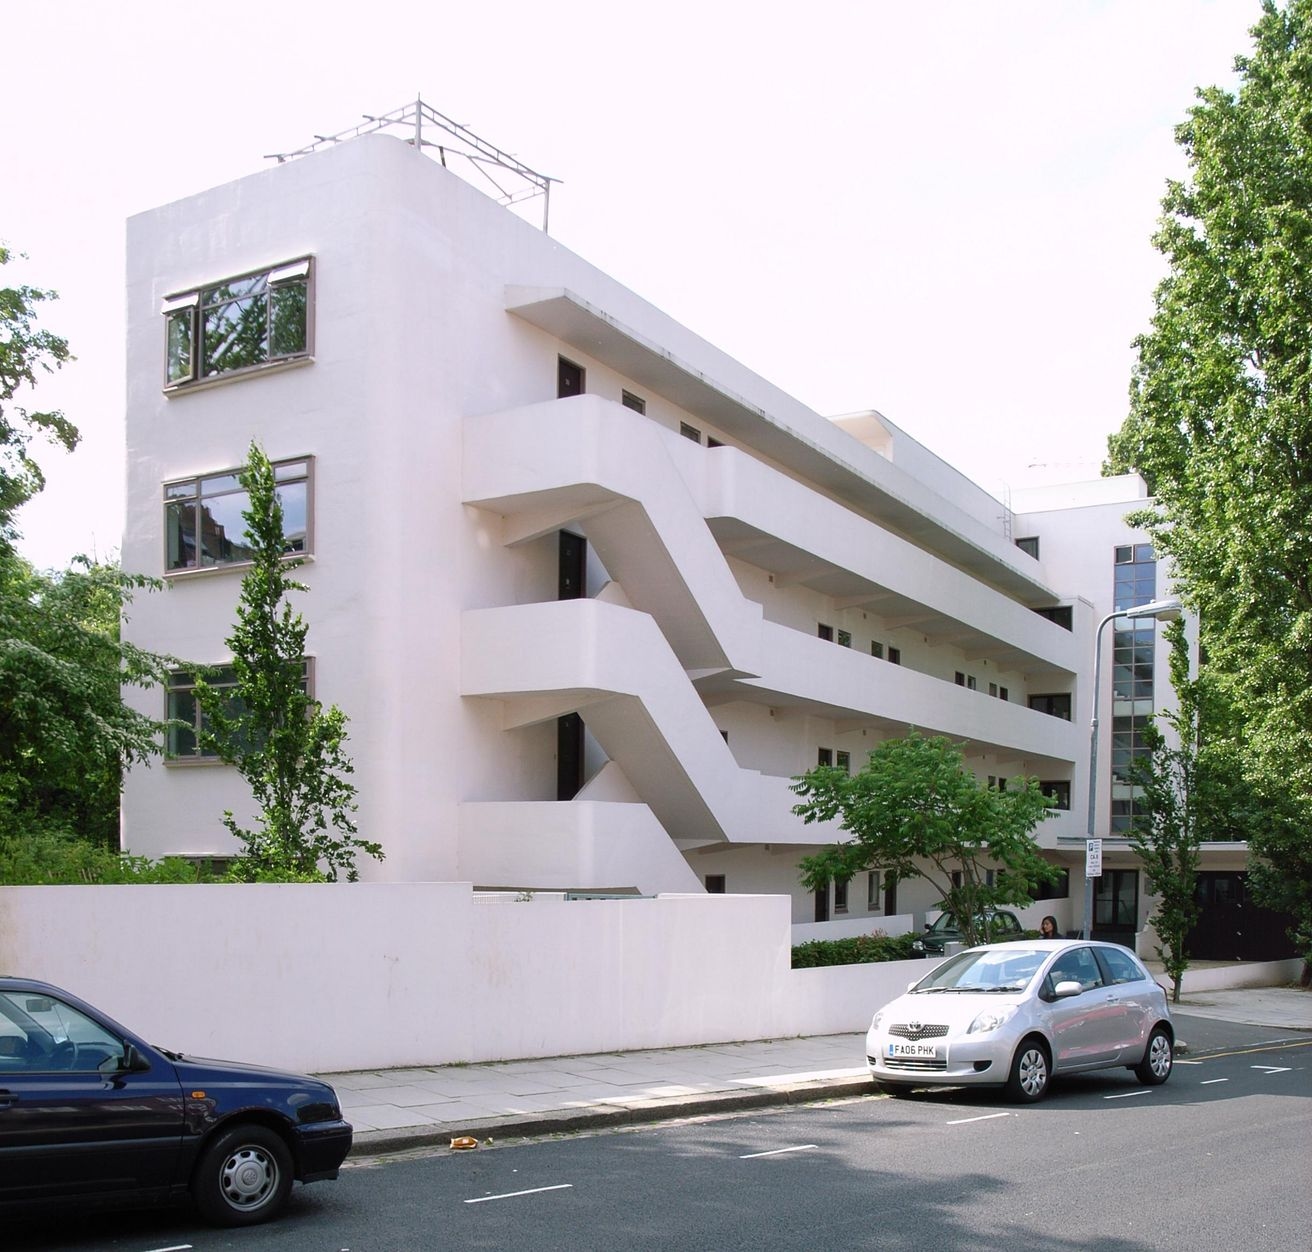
[(243, 1177), (1031, 1071), (1158, 1058)]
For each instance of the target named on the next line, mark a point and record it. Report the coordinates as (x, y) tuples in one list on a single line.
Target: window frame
[(191, 303), (198, 758), (191, 571)]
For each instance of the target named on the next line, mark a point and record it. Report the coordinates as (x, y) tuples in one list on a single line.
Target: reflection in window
[(257, 319), (203, 523), (187, 722)]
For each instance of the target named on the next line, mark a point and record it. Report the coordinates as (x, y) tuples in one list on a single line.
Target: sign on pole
[(1093, 858)]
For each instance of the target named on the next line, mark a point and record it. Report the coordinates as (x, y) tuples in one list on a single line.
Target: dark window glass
[(569, 378), (1058, 789), (877, 649), (715, 884), (895, 655), (630, 401), (690, 432), (1029, 546), (1056, 704)]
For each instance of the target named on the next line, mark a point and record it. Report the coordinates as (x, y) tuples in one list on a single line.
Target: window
[(877, 649), (203, 524), (1059, 614), (713, 442), (993, 689), (39, 1034), (971, 684), (715, 884), (1119, 966), (840, 895), (872, 891), (1029, 545), (1003, 694), (894, 655), (1059, 890), (825, 756), (844, 761), (258, 319), (825, 632), (959, 678), (570, 378), (1058, 789), (844, 639), (1134, 582), (630, 401), (183, 739), (690, 432), (1057, 704)]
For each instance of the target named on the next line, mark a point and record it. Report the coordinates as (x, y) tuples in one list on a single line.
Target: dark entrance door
[(822, 904), (1116, 906), (1231, 927), (573, 564)]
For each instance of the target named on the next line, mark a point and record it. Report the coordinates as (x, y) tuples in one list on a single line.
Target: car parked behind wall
[(1000, 924), (92, 1114)]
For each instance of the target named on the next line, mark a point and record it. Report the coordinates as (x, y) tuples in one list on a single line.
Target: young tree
[(288, 748), (25, 352), (917, 811), (65, 734), (1221, 410)]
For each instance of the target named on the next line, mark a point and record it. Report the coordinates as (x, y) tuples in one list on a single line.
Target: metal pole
[(1093, 766)]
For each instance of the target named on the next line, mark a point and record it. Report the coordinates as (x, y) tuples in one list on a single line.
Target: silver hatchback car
[(1015, 1014)]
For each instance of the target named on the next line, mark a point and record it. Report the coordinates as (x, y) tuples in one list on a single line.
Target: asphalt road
[(1215, 1159)]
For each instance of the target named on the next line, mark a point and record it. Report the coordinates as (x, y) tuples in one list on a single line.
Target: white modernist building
[(590, 591)]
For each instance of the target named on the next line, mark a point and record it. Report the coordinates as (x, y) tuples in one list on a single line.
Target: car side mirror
[(928, 926), (133, 1062), (1064, 990)]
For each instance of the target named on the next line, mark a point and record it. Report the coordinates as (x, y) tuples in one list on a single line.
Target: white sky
[(941, 211)]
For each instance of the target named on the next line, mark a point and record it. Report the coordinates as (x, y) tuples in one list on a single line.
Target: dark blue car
[(89, 1113)]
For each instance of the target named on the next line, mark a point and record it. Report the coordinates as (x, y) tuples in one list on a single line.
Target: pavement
[(395, 1110)]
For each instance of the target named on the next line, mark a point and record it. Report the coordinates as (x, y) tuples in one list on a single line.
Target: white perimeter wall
[(374, 975)]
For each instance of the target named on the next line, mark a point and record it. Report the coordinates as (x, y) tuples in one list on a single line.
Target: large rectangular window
[(258, 319), (1055, 704), (1134, 643), (183, 738), (203, 523)]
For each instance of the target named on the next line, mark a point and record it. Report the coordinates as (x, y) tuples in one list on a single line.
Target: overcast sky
[(941, 211)]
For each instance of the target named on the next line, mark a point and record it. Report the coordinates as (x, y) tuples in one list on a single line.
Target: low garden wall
[(326, 977)]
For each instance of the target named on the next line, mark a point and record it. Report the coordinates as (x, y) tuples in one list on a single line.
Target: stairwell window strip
[(249, 323)]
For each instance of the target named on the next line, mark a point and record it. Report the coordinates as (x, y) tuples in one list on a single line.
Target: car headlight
[(917, 945), (874, 1021), (991, 1019)]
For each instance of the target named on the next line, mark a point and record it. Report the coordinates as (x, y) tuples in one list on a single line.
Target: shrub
[(49, 859), (858, 950)]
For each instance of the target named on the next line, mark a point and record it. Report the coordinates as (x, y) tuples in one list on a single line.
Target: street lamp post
[(1163, 611)]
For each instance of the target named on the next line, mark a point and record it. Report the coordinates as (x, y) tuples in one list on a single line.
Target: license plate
[(925, 1051)]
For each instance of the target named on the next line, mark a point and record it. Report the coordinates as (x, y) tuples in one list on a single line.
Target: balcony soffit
[(571, 319)]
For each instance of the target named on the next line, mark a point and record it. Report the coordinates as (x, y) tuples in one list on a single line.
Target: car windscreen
[(985, 969)]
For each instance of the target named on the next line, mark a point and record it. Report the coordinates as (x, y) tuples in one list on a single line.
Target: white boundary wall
[(375, 975)]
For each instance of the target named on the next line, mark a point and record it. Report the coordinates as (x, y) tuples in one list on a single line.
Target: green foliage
[(858, 950), (1221, 418), (65, 734), (25, 352), (917, 811), (288, 748), (44, 859)]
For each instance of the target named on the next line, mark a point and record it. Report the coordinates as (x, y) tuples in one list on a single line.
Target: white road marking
[(510, 1195), (1125, 1095), (801, 1147), (1273, 1069), (988, 1117), (1178, 1061), (1209, 1081), (177, 1247)]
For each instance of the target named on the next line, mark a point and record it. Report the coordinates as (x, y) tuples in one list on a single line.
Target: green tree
[(1220, 420), (26, 351), (288, 748), (918, 811), (65, 734)]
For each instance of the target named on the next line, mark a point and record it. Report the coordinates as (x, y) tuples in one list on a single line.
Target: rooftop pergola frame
[(505, 178)]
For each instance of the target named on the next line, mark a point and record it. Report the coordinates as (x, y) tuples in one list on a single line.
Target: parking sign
[(1093, 858)]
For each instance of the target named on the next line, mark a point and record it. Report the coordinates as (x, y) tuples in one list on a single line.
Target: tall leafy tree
[(290, 749), (1220, 421), (65, 734), (26, 352), (917, 811)]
